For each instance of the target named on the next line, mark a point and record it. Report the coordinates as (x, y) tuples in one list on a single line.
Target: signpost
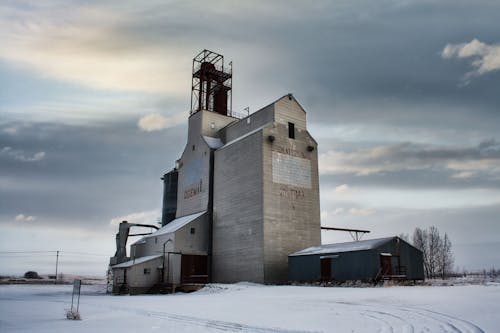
[(75, 298)]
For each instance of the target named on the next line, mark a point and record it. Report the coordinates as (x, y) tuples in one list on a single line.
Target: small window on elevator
[(291, 130)]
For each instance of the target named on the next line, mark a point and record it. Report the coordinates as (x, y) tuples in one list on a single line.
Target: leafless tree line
[(437, 253)]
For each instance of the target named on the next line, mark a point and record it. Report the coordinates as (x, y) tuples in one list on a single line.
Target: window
[(291, 130), (147, 271), (156, 240), (192, 231), (193, 147)]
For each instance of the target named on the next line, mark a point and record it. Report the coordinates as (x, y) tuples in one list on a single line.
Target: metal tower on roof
[(211, 84)]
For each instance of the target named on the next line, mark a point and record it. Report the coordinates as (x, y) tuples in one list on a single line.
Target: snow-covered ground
[(254, 308)]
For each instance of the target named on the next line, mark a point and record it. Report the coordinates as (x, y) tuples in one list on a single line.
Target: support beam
[(356, 234)]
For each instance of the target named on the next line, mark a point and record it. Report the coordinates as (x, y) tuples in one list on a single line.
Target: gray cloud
[(156, 122), (94, 173), (485, 58), (461, 162), (24, 218), (20, 155)]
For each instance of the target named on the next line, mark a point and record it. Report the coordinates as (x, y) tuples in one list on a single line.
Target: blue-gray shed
[(366, 260)]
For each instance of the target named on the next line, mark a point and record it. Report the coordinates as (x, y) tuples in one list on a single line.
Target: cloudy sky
[(402, 96)]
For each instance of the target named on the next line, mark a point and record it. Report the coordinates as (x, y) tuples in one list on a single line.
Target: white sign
[(291, 170)]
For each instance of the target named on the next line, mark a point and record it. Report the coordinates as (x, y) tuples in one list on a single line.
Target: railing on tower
[(211, 84)]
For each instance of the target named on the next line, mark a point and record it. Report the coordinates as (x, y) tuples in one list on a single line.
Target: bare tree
[(436, 250), (434, 244), (420, 242), (445, 258)]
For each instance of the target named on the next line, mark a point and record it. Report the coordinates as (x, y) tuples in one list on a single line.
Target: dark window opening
[(193, 147), (291, 130), (147, 271), (192, 231)]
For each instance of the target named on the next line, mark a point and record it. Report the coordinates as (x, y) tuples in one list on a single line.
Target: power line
[(27, 252), (55, 252), (87, 253)]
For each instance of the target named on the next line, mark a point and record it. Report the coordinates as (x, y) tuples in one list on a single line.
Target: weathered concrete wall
[(182, 240), (291, 191), (194, 165), (193, 243), (213, 122), (287, 109), (269, 186), (238, 207), (206, 123), (194, 178), (140, 278), (152, 245)]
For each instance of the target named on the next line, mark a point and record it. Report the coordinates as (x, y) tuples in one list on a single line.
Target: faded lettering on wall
[(193, 190), (291, 193), (291, 170)]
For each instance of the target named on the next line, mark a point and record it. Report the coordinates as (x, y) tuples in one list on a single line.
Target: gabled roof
[(368, 244), (262, 108), (279, 99), (176, 224), (137, 261)]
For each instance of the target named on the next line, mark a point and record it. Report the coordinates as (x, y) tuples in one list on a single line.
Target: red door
[(194, 269), (385, 265), (326, 269)]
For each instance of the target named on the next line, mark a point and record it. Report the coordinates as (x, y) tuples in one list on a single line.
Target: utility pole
[(57, 263)]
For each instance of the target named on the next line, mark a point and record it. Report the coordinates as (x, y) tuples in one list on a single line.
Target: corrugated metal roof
[(176, 224), (140, 241), (136, 261), (368, 244), (245, 135), (214, 143)]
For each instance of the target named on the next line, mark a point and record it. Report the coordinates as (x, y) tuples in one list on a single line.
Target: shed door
[(194, 269), (385, 265), (326, 269)]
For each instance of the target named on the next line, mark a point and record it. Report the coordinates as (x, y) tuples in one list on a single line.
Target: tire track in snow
[(386, 317), (459, 325), (406, 326), (219, 325), (410, 320), (208, 323)]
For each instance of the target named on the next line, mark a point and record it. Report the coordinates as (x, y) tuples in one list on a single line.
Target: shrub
[(31, 275)]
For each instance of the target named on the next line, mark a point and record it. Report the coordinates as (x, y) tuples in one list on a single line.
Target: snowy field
[(255, 308)]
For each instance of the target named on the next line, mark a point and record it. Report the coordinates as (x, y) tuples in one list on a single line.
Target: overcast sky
[(403, 98)]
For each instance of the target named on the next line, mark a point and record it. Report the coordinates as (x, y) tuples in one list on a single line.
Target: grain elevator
[(243, 195)]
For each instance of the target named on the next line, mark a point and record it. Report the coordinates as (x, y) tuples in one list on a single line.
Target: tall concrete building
[(245, 193)]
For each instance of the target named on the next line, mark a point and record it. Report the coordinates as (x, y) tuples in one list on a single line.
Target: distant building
[(245, 194), (367, 260)]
